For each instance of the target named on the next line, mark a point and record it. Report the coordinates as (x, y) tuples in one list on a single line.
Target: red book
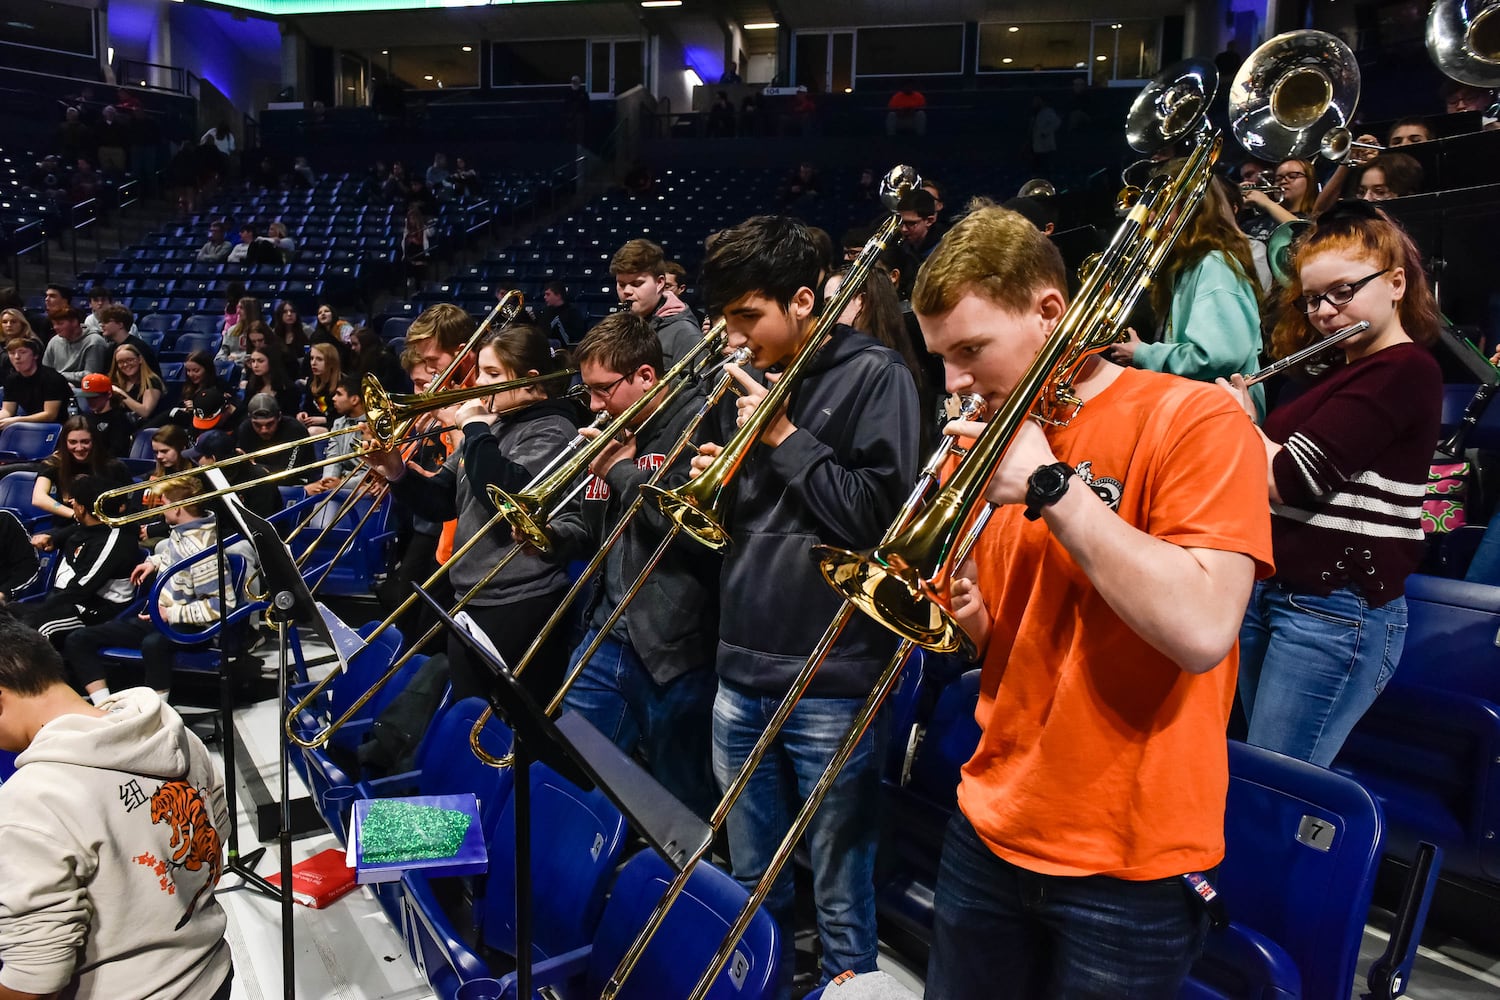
[(320, 879)]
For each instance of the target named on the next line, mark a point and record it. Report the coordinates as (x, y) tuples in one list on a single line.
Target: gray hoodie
[(110, 829)]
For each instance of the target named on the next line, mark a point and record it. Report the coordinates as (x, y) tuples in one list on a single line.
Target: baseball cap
[(215, 444), (208, 408), (263, 406), (95, 384)]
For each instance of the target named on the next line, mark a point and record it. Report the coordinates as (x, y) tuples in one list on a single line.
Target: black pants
[(57, 616), (82, 650), (511, 627), (417, 564)]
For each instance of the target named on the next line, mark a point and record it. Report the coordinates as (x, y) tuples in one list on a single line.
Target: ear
[(1050, 306), (646, 374), (802, 303), (1398, 283)]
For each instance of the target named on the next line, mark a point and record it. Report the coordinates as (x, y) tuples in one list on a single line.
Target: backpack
[(391, 745)]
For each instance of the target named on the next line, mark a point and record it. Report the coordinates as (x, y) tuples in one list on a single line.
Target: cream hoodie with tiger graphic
[(109, 850)]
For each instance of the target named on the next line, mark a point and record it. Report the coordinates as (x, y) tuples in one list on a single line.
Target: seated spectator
[(77, 454), (254, 249), (34, 393), (112, 424), (92, 580), (303, 171), (73, 352), (867, 191), (465, 179), (731, 74), (394, 189), (113, 135), (19, 563), (136, 387), (349, 405), (217, 249), (100, 297), (437, 174), (15, 326), (324, 376), (288, 330), (117, 326), (1389, 175), (906, 112), (266, 428), (371, 357), (266, 374), (329, 329), (191, 600), (255, 487), (1408, 131), (802, 188), (674, 279), (207, 402), (85, 182), (247, 314), (562, 319), (56, 301), (277, 234), (74, 137), (416, 243), (421, 195)]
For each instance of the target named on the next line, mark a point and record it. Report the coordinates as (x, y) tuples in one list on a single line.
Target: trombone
[(545, 488), (698, 507), (398, 413)]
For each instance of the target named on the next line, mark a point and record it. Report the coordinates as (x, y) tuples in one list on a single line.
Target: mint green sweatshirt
[(1213, 330)]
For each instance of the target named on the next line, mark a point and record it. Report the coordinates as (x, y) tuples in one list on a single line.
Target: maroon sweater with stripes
[(1352, 474)]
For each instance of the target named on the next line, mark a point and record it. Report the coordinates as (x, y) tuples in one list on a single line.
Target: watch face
[(1050, 479)]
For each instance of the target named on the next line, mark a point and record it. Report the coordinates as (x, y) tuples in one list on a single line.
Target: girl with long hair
[(372, 357), (265, 373), (247, 313), (288, 329), (1348, 462), (134, 385), (1298, 183), (507, 439), (78, 453), (324, 375), (1207, 300)]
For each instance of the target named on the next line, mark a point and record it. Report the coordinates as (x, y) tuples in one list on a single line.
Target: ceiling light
[(468, 48), (1100, 58), (1007, 60), (661, 3), (848, 90), (1117, 26), (1013, 29), (762, 25), (385, 52), (427, 77), (1079, 65)]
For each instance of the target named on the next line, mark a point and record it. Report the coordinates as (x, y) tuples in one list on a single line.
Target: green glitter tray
[(470, 858)]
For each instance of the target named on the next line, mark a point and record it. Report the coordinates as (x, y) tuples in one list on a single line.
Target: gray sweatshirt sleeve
[(43, 910)]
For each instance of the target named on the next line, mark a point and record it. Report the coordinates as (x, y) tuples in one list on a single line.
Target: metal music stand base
[(278, 613)]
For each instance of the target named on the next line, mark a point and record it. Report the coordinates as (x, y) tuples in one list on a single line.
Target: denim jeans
[(844, 832), (1311, 666), (671, 723), (1485, 566), (1000, 931)]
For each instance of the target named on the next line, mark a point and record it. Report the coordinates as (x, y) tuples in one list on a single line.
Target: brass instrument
[(684, 440), (396, 416), (561, 471), (1279, 248), (1037, 187), (698, 506), (969, 408), (527, 511), (1463, 39), (1291, 92), (1311, 350), (903, 583), (1337, 143), (1270, 189)]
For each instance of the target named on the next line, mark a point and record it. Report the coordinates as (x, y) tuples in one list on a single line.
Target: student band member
[(508, 439), (650, 686), (1348, 469), (1105, 598), (833, 468), (640, 273)]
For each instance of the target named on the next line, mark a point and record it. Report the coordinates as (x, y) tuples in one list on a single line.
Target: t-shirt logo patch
[(1109, 490), (598, 489)]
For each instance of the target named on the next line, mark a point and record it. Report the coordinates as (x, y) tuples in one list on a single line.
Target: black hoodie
[(839, 479), (673, 623)]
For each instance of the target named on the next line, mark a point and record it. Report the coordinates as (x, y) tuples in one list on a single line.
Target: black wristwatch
[(1046, 486)]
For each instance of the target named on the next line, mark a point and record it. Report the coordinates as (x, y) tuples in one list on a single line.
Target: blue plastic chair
[(576, 842), (1302, 849), (15, 494), (679, 953), (28, 442), (354, 572)]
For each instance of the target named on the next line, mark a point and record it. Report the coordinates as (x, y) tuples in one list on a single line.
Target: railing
[(157, 76)]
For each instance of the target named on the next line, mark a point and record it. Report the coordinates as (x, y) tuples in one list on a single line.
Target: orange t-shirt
[(1099, 755)]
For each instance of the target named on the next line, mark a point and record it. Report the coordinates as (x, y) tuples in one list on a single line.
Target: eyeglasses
[(605, 391), (1338, 295), (911, 223), (1290, 175)]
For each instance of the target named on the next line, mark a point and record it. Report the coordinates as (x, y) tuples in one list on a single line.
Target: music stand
[(291, 603), (579, 753)]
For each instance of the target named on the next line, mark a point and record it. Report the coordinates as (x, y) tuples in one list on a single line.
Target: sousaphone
[(1291, 93)]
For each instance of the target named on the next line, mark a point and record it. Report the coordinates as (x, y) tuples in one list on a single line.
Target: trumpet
[(396, 414), (1337, 143), (1270, 189), (698, 507)]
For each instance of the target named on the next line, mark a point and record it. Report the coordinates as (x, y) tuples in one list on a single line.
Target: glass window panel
[(599, 67), (1033, 45), (1139, 54), (843, 62), (539, 63), (911, 50), (628, 71), (430, 67), (44, 25), (812, 61)]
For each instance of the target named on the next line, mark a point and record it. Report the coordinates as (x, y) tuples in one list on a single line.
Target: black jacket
[(678, 333), (96, 562), (673, 623), (839, 480), (18, 560), (507, 454)]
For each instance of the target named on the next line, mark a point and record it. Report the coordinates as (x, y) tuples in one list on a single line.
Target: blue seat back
[(447, 766), (15, 494), (1302, 848), (1450, 638), (576, 841), (688, 938), (171, 372), (949, 742), (31, 441), (140, 447)]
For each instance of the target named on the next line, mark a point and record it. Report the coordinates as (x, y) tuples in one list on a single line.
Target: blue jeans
[(671, 723), (1311, 666), (844, 830), (1485, 566), (1000, 931)]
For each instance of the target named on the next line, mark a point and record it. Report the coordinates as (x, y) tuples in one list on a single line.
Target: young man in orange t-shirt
[(1106, 596)]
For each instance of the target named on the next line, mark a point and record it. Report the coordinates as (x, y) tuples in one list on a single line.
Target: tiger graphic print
[(195, 842)]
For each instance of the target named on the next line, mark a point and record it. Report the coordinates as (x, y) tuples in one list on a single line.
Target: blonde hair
[(445, 321), (331, 370), (993, 253)]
